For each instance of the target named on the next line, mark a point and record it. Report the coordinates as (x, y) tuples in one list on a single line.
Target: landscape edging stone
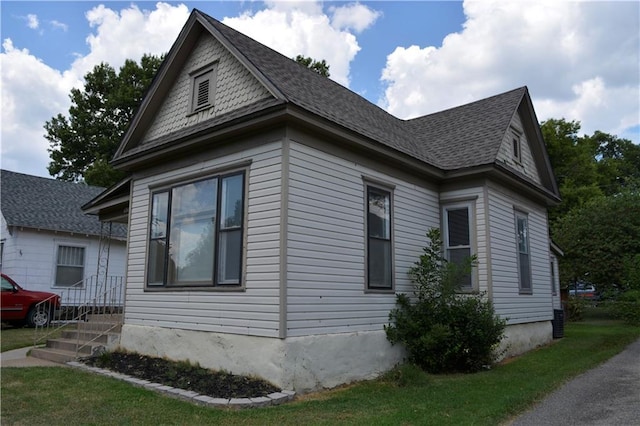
[(275, 398)]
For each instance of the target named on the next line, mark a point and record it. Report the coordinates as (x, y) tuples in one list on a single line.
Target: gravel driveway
[(607, 395)]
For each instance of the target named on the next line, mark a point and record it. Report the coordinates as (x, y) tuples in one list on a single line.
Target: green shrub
[(575, 308), (443, 329), (627, 307)]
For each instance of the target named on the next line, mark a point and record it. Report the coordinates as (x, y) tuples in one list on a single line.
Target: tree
[(588, 167), (573, 160), (321, 67), (601, 242), (83, 143)]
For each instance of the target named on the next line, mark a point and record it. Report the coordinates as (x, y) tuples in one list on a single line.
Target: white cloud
[(33, 92), (580, 61), (59, 25), (113, 40), (354, 16), (294, 28), (32, 21)]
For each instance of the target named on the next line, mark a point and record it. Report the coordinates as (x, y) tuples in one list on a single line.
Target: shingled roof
[(47, 204), (463, 137)]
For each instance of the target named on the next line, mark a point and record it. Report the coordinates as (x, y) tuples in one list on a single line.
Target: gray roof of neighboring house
[(49, 204)]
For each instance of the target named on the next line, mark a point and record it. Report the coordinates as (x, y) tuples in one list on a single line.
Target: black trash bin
[(558, 323)]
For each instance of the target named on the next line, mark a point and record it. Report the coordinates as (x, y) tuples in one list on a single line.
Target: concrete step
[(88, 336), (70, 345), (92, 326), (55, 355)]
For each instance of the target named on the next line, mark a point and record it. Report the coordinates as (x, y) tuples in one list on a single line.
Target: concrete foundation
[(305, 363), (520, 338), (302, 364)]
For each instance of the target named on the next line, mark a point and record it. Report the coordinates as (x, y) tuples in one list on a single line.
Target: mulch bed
[(183, 375)]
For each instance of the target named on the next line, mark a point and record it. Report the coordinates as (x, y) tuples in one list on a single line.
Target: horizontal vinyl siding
[(254, 311), (519, 308), (326, 243), (527, 164)]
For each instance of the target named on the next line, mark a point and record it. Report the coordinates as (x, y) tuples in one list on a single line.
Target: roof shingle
[(48, 204)]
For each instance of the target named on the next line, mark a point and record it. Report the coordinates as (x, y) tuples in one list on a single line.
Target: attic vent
[(203, 88), (203, 94)]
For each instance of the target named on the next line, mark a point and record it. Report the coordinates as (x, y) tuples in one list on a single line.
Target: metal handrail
[(89, 296)]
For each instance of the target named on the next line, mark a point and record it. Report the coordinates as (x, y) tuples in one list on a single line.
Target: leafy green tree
[(601, 242), (83, 143), (321, 67), (618, 162), (573, 160)]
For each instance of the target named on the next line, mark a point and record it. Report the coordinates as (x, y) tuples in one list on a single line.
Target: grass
[(18, 337), (405, 396)]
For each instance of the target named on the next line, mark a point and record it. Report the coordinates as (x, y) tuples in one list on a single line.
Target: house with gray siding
[(47, 242), (273, 214)]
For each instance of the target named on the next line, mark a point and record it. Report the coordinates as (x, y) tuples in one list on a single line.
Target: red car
[(21, 306)]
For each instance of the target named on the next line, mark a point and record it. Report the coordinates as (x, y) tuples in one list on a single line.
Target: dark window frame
[(214, 283), (373, 187), (516, 147), (446, 240), (525, 281)]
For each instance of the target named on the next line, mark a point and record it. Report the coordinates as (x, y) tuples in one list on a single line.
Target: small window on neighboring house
[(524, 257), (1, 253), (203, 89), (196, 233), (457, 238), (70, 266), (379, 248), (517, 151)]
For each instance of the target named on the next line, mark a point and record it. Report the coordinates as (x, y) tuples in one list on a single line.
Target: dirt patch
[(183, 375)]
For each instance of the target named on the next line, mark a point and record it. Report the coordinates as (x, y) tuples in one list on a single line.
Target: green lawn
[(18, 337), (73, 397)]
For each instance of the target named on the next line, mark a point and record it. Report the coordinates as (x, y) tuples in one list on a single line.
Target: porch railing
[(93, 296)]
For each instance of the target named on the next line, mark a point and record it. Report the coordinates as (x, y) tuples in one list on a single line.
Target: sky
[(580, 60)]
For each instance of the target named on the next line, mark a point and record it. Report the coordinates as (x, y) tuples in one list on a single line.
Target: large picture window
[(69, 266), (524, 258), (457, 238), (196, 233), (379, 252)]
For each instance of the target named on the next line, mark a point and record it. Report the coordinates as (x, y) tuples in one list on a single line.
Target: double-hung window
[(457, 238), (379, 250), (196, 233), (524, 257), (69, 266)]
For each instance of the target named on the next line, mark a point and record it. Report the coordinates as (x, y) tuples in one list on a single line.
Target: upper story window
[(69, 266), (524, 257), (379, 243), (457, 238), (203, 88), (517, 147), (196, 233)]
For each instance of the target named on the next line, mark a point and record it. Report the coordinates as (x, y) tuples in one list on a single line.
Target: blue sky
[(579, 60)]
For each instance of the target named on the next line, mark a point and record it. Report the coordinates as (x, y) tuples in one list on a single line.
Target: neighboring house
[(48, 243), (273, 214)]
